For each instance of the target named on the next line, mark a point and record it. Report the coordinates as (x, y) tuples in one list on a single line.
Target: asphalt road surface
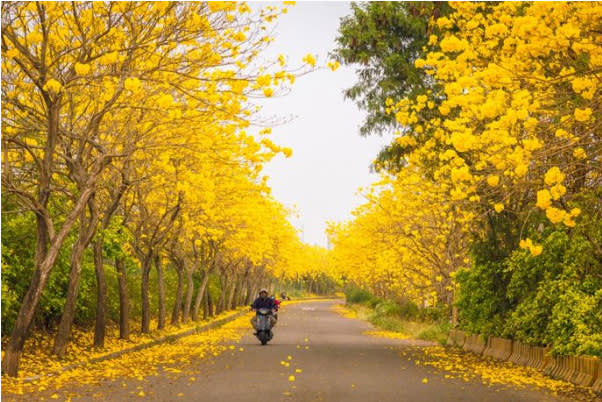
[(338, 362)]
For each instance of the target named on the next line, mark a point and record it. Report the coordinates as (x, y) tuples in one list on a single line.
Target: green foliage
[(436, 332), (402, 309), (389, 315), (357, 295), (18, 249), (409, 310), (383, 39), (482, 302), (553, 299), (214, 288), (388, 307)]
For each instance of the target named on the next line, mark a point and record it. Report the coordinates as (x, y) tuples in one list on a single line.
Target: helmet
[(263, 290)]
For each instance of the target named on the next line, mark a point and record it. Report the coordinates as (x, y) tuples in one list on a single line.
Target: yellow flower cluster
[(499, 118), (510, 127)]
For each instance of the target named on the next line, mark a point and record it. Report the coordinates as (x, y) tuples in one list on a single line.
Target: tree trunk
[(101, 295), (210, 311), (199, 298), (99, 270), (24, 319), (205, 307), (249, 298), (177, 307), (454, 310), (230, 304), (64, 329), (240, 295), (189, 293), (222, 298), (161, 285), (124, 301), (146, 267)]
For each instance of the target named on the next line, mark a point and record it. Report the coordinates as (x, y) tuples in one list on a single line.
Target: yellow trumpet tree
[(93, 90), (504, 142)]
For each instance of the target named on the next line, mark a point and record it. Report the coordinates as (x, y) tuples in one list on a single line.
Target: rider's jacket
[(263, 303)]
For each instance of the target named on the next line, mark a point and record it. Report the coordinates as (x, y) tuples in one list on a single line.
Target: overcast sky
[(330, 159)]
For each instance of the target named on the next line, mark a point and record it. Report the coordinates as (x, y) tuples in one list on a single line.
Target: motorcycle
[(264, 326)]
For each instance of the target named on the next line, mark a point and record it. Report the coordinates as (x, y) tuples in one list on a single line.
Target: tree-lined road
[(338, 362)]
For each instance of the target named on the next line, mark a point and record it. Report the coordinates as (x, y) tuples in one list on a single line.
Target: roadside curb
[(584, 371)]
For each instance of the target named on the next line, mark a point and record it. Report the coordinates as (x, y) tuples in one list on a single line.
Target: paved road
[(338, 363)]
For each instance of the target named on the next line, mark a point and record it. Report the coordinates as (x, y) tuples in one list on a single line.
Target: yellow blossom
[(53, 85), (561, 133), (579, 153), (132, 84), (555, 215), (521, 170), (81, 69), (493, 180), (553, 176), (557, 191), (453, 44), (544, 199), (583, 115), (535, 250), (568, 221), (309, 59), (239, 36), (288, 152), (164, 101), (108, 58)]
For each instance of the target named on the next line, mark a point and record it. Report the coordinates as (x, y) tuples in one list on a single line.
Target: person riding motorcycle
[(263, 301)]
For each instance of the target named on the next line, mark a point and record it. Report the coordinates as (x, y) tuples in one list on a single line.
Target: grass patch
[(389, 320)]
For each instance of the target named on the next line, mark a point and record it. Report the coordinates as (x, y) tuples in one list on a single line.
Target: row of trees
[(490, 192), (131, 161)]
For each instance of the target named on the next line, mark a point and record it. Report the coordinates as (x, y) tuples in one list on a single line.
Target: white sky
[(330, 159)]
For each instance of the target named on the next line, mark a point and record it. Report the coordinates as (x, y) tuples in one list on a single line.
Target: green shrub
[(357, 295), (436, 332), (387, 307), (553, 299)]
